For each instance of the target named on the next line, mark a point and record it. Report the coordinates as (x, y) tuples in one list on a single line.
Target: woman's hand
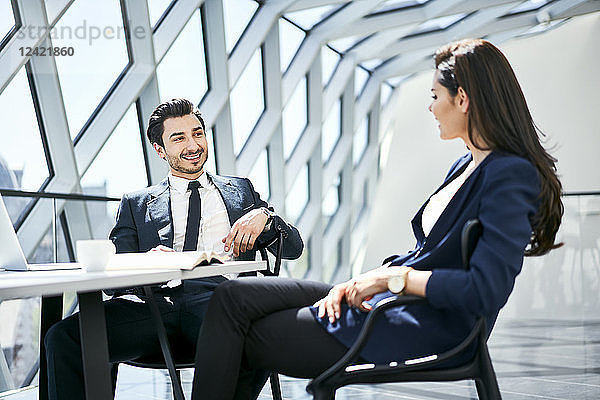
[(355, 291), (362, 288), (331, 304), (359, 290)]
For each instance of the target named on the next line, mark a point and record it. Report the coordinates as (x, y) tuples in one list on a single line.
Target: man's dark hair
[(169, 109)]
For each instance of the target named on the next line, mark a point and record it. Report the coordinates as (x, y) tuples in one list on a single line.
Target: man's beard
[(177, 164)]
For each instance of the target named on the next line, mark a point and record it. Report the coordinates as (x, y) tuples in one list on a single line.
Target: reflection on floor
[(534, 359)]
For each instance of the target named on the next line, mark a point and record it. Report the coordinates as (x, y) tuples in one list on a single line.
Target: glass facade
[(156, 9), (95, 32), (276, 110), (332, 129), (247, 101), (182, 72), (23, 161), (290, 39), (7, 19), (294, 118)]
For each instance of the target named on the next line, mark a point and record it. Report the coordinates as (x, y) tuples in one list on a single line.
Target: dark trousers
[(255, 324), (131, 334)]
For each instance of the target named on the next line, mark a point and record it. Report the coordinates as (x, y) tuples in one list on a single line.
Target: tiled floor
[(534, 359)]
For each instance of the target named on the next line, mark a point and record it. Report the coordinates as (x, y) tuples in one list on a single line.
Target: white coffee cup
[(94, 254)]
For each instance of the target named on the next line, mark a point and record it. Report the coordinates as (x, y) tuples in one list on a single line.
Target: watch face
[(396, 284)]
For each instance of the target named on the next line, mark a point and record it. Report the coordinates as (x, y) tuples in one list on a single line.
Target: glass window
[(237, 15), (19, 337), (7, 18), (543, 27), (23, 161), (329, 62), (247, 101), (361, 76), (294, 118), (528, 5), (386, 92), (297, 197), (44, 252), (300, 266), (360, 140), (436, 24), (391, 5), (156, 9), (332, 263), (109, 178), (211, 162), (182, 72), (95, 31), (372, 63), (290, 39), (20, 328), (397, 80), (259, 175), (384, 148), (344, 44), (332, 129), (54, 8), (308, 18), (331, 201)]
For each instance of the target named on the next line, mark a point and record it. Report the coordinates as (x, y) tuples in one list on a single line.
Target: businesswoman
[(507, 180)]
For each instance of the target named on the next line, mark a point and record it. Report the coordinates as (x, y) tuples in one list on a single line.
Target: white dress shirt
[(214, 220)]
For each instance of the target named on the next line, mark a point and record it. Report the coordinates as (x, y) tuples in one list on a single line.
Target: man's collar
[(180, 185)]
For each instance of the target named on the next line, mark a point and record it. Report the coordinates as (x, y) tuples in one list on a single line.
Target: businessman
[(189, 210)]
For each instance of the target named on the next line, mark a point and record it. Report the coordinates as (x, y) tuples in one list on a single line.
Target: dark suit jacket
[(144, 218), (502, 192)]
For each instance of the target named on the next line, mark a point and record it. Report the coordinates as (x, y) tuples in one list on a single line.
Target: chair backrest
[(470, 235)]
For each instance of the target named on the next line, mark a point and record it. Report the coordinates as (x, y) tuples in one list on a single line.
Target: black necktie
[(193, 219)]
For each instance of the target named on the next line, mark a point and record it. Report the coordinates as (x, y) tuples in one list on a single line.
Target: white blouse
[(439, 201)]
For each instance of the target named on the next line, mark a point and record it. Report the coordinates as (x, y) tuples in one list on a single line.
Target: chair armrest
[(354, 351), (278, 255)]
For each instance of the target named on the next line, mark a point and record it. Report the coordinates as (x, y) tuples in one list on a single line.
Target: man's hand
[(244, 231), (160, 247)]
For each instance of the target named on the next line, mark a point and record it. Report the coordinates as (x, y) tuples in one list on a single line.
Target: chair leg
[(487, 381), (323, 393), (275, 386), (481, 390)]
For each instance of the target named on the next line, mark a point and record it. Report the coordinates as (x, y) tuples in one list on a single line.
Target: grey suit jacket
[(144, 218)]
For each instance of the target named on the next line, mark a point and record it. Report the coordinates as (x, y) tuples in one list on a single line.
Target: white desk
[(18, 285), (88, 285)]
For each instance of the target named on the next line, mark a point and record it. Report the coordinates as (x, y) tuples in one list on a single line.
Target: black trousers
[(255, 324), (131, 334)]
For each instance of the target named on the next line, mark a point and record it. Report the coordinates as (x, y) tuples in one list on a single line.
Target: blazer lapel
[(456, 205), (159, 212), (231, 197), (416, 222)]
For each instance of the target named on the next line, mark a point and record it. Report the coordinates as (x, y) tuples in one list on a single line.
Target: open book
[(164, 259)]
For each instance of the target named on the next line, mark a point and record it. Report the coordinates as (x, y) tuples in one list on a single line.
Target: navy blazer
[(144, 218), (502, 192)]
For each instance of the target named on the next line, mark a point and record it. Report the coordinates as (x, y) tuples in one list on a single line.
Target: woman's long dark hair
[(499, 116)]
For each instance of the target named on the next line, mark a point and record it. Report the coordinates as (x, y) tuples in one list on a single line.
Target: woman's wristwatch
[(397, 283)]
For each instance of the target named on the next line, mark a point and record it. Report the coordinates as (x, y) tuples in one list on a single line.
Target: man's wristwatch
[(397, 283), (270, 214)]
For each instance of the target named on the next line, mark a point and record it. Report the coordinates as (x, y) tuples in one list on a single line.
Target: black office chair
[(174, 358), (428, 368)]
